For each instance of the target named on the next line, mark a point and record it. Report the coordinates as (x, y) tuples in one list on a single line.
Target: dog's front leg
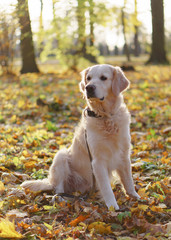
[(103, 182), (125, 174)]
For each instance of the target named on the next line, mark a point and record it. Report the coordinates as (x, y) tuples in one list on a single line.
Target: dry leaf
[(142, 207), (79, 219), (143, 193), (100, 227), (16, 214), (156, 209), (9, 178), (2, 188), (167, 130), (7, 230)]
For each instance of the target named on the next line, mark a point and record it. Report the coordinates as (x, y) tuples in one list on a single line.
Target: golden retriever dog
[(101, 142)]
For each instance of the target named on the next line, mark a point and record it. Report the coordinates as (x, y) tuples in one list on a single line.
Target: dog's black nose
[(90, 91), (90, 88)]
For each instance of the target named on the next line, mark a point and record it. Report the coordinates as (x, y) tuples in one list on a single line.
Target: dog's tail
[(37, 185)]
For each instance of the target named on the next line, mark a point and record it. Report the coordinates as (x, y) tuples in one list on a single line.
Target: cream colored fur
[(108, 138)]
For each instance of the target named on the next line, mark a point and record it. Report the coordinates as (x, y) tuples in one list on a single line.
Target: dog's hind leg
[(37, 185), (59, 171)]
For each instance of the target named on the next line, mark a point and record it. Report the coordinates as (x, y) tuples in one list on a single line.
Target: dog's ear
[(119, 82), (82, 83)]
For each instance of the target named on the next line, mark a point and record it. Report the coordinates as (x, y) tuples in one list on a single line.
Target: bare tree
[(92, 20), (81, 20), (136, 34), (158, 53), (26, 39), (124, 31), (82, 38), (92, 15), (7, 42)]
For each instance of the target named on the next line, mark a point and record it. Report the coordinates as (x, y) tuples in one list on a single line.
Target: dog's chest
[(106, 127), (103, 134), (110, 127)]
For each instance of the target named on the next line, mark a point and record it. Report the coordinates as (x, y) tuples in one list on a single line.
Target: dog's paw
[(111, 206), (134, 195), (57, 198)]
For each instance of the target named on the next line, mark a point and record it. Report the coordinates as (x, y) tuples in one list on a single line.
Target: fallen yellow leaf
[(7, 229), (168, 140), (13, 118), (100, 227), (112, 209), (156, 209), (1, 204), (166, 160), (142, 207), (142, 192), (25, 153), (2, 187), (21, 103), (30, 165)]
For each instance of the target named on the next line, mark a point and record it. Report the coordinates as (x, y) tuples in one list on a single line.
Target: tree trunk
[(81, 26), (27, 48), (92, 19), (4, 44), (81, 19), (91, 57), (124, 33), (136, 42), (158, 54)]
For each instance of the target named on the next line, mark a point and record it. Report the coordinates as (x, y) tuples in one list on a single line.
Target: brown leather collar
[(91, 113)]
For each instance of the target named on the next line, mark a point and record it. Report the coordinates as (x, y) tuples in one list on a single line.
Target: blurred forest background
[(76, 33)]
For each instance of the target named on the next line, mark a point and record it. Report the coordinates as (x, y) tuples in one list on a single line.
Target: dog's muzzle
[(90, 90)]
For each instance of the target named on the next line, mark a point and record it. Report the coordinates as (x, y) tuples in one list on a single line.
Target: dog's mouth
[(101, 99), (95, 98)]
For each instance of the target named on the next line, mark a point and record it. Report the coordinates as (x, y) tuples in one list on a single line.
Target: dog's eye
[(103, 78), (88, 78)]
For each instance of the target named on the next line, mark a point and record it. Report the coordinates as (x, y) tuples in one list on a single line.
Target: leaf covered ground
[(38, 114)]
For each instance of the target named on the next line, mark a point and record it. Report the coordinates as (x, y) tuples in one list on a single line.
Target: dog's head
[(101, 80)]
